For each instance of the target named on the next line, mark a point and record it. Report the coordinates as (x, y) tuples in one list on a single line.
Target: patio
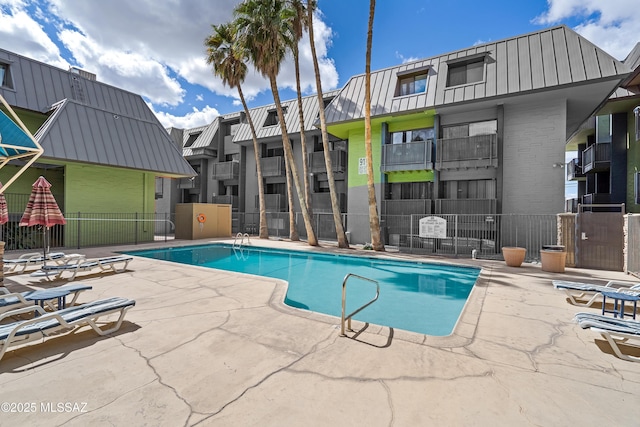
[(207, 347)]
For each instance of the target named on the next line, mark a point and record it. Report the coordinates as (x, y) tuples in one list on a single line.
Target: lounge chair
[(50, 323), (12, 301), (615, 331), (30, 259), (76, 264), (577, 292)]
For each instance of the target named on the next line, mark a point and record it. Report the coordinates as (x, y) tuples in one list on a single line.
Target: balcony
[(272, 166), (409, 156), (574, 170), (596, 199), (273, 202), (406, 207), (226, 170), (338, 161), (225, 200), (571, 205), (466, 206), (597, 157), (189, 183), (322, 202), (480, 151)]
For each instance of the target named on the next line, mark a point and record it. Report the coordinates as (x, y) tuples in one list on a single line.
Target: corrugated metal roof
[(203, 140), (137, 139), (77, 132), (259, 116), (541, 60), (633, 59)]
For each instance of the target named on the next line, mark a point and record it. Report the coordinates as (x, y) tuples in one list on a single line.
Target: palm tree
[(298, 24), (374, 221), (267, 34), (337, 218), (228, 59)]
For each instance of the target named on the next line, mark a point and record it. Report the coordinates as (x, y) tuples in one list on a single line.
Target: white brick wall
[(534, 140)]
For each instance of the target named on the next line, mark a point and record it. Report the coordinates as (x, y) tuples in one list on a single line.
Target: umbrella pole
[(45, 230)]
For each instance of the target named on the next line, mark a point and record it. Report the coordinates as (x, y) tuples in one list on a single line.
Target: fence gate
[(599, 237)]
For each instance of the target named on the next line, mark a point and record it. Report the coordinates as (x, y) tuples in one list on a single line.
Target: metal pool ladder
[(344, 301), (236, 244)]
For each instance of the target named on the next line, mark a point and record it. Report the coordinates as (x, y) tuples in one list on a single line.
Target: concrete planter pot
[(513, 256), (553, 260)]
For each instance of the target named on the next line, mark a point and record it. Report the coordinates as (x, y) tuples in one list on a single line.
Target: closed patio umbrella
[(42, 209), (4, 213)]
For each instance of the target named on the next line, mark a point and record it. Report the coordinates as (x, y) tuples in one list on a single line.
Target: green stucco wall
[(357, 147)]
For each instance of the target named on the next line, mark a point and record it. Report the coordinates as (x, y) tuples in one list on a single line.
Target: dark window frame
[(464, 74)]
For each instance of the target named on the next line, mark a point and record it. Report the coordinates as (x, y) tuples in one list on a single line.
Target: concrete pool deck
[(208, 347)]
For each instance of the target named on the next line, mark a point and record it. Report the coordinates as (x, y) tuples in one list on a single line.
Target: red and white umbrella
[(4, 212), (42, 209)]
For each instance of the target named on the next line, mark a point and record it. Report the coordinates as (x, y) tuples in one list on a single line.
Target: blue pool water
[(420, 297)]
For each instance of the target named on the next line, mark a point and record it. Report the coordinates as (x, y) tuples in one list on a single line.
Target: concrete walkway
[(213, 348)]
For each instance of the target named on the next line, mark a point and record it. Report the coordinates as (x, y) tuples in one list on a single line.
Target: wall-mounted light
[(558, 165)]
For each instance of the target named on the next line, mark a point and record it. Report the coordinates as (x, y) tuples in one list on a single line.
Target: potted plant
[(513, 256)]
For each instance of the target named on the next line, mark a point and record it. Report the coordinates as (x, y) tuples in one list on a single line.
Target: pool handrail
[(241, 236), (344, 301)]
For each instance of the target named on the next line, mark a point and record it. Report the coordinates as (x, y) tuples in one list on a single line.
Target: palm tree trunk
[(303, 138), (264, 229), (335, 209), (293, 232), (311, 236), (374, 221)]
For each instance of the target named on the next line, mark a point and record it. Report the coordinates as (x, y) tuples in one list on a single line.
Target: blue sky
[(155, 47)]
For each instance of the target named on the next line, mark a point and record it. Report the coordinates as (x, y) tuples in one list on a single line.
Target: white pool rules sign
[(433, 227)]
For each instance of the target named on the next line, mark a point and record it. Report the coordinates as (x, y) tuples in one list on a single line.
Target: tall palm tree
[(267, 34), (335, 209), (298, 25), (374, 220), (228, 58)]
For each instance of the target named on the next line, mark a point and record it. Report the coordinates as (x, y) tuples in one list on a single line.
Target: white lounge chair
[(73, 265), (14, 300), (615, 331), (51, 323), (578, 292), (31, 259)]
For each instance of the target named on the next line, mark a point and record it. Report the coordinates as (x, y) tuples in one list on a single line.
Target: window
[(409, 191), (5, 76), (603, 129), (462, 73), (272, 117), (412, 136), (408, 85), (192, 138), (470, 129), (636, 113), (159, 187)]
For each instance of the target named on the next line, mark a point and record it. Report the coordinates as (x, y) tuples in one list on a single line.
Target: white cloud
[(613, 25), (405, 60), (193, 119), (146, 46)]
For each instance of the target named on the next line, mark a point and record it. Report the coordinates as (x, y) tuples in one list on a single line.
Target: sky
[(155, 47)]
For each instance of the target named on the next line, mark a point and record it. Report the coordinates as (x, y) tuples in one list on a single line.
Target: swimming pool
[(419, 297)]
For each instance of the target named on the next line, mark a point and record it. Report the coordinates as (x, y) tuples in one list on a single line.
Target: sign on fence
[(433, 227)]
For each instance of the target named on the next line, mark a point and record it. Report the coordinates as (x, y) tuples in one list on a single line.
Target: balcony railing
[(225, 200), (571, 205), (189, 183), (467, 152), (406, 207), (406, 157), (574, 170), (272, 166), (338, 161), (322, 202), (226, 170), (597, 157), (273, 202), (596, 199), (466, 206)]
